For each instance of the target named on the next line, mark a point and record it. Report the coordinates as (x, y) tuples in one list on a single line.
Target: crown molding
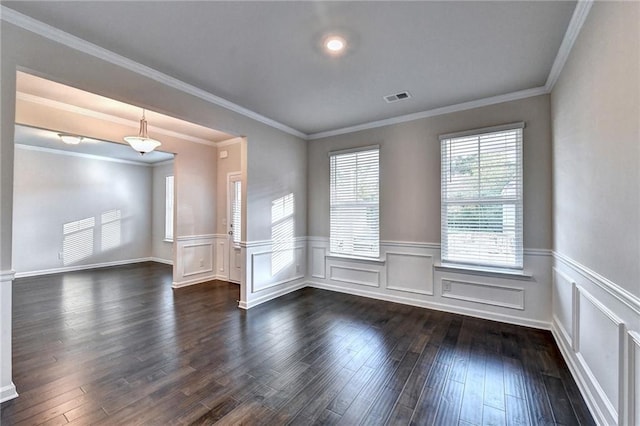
[(83, 155), (76, 43), (229, 142), (578, 18), (521, 94), (573, 29)]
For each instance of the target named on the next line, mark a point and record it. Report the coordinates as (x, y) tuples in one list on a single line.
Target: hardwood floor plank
[(118, 346)]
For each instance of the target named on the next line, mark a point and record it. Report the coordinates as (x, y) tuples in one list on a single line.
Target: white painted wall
[(53, 189), (160, 249), (595, 112)]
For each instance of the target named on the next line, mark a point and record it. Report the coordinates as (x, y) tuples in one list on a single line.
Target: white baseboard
[(8, 392), (581, 381), (160, 260), (193, 281), (271, 296), (81, 267), (436, 306)]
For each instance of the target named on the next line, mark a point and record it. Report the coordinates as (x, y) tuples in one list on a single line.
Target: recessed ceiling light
[(335, 44)]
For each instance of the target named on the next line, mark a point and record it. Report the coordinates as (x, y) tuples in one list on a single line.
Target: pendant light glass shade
[(70, 139), (142, 143)]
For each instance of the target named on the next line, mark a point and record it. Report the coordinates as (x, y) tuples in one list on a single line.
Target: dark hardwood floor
[(119, 346)]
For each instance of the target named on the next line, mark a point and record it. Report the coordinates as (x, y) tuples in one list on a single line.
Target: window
[(168, 212), (482, 197), (236, 210), (354, 215)]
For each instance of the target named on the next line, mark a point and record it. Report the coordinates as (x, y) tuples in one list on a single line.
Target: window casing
[(355, 202), (168, 209), (481, 197)]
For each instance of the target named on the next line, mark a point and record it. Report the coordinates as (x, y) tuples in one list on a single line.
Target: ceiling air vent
[(397, 97)]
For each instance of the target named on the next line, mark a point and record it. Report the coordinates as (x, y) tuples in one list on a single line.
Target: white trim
[(483, 270), (483, 130), (537, 252), (229, 142), (521, 94), (409, 244), (160, 260), (633, 344), (616, 412), (488, 302), (81, 267), (509, 319), (346, 257), (80, 155), (581, 381), (351, 150), (573, 29), (163, 163), (195, 237), (409, 289), (578, 18), (358, 282), (609, 286), (193, 281), (8, 275), (8, 392), (62, 106), (267, 297)]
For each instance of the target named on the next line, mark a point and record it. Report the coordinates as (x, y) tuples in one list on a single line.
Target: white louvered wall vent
[(402, 96)]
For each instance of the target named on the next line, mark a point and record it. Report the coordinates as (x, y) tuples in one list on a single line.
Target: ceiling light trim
[(580, 13), (62, 106), (522, 94), (69, 40)]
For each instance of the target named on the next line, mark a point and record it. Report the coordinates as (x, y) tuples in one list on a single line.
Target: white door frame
[(234, 249)]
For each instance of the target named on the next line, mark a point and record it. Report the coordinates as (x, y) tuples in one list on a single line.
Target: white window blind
[(355, 206), (236, 210), (168, 209), (482, 197)]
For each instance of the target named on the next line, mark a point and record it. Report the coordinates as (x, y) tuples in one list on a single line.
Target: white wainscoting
[(405, 274), (271, 270), (484, 293), (195, 260), (596, 324), (7, 388), (221, 257)]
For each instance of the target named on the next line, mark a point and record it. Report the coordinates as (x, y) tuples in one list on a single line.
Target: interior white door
[(235, 226)]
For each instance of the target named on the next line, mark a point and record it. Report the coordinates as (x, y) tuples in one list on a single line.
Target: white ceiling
[(266, 56), (49, 140)]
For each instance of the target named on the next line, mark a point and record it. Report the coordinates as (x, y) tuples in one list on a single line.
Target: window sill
[(357, 258), (166, 240), (484, 270)]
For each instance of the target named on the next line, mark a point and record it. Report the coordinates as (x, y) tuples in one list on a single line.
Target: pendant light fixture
[(142, 143), (70, 139)]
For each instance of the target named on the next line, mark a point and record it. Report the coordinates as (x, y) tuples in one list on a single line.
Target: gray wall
[(596, 146), (52, 189), (275, 169), (160, 248), (410, 171)]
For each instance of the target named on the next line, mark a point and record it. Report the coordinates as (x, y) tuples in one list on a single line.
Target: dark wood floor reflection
[(119, 346)]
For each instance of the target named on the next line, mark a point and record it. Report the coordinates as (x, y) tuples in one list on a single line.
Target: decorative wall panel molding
[(562, 303), (600, 350), (484, 293), (633, 386), (410, 272), (318, 262), (352, 275), (195, 260)]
